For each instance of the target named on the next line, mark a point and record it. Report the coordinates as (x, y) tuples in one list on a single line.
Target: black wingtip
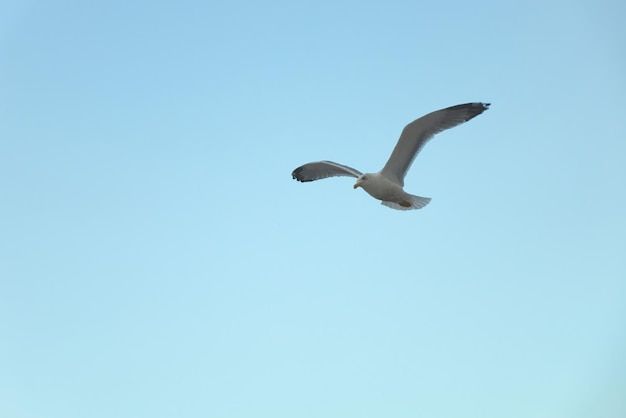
[(480, 106), (297, 174), (475, 109)]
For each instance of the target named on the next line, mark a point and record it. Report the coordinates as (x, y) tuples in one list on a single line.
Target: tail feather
[(414, 202)]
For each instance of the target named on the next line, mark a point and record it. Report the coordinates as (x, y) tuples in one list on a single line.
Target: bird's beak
[(357, 185)]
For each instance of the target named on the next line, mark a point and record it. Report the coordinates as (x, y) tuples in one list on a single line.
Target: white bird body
[(388, 184), (389, 192)]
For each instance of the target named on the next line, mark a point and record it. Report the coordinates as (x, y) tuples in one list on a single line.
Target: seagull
[(388, 184)]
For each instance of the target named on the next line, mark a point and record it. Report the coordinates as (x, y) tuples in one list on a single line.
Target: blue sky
[(157, 259)]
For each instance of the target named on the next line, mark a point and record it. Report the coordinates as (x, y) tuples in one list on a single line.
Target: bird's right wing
[(323, 169)]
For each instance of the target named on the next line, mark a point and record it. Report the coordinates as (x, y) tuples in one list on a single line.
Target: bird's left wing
[(323, 169), (417, 133)]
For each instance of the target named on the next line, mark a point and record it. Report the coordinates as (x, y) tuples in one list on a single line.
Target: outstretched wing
[(322, 170), (417, 133)]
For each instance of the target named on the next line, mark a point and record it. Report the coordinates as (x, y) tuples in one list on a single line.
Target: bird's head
[(361, 181)]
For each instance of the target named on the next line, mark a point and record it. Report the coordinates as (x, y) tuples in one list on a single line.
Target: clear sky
[(158, 260)]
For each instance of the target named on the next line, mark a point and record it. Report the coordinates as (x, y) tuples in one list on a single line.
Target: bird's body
[(387, 185), (389, 192)]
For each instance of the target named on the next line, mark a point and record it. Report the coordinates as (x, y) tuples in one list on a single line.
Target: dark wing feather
[(323, 169)]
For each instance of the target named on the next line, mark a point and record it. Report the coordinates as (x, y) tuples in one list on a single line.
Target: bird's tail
[(413, 202)]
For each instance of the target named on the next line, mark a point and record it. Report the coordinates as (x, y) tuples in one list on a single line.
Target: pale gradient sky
[(157, 259)]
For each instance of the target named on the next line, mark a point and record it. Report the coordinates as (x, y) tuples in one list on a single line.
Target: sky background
[(158, 260)]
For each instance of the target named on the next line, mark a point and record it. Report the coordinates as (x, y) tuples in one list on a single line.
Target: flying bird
[(388, 184)]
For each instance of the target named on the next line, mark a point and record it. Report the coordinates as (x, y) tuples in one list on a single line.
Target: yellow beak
[(357, 185)]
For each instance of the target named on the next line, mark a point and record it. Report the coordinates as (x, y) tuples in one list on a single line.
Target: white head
[(361, 180)]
